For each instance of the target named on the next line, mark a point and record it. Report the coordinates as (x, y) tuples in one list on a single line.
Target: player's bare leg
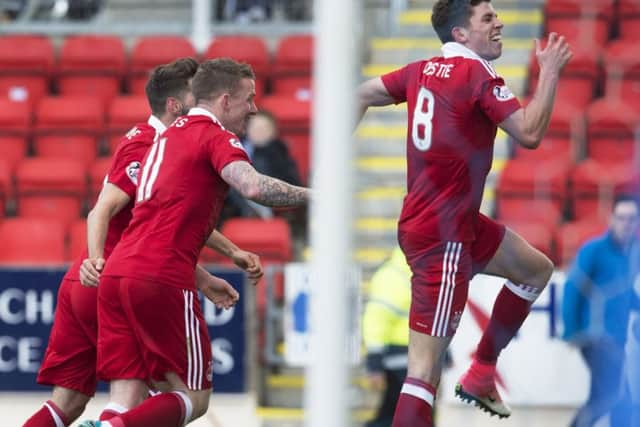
[(426, 360), (65, 407), (124, 395), (527, 271)]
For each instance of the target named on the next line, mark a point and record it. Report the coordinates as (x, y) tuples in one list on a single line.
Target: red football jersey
[(123, 173), (454, 105), (180, 195)]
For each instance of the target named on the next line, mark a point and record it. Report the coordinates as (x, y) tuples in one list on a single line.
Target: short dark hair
[(447, 14), (169, 80), (625, 197), (219, 75)]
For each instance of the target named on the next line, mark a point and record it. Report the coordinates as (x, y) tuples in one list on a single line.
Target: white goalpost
[(337, 26)]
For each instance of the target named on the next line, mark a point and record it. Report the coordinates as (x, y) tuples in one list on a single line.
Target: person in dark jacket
[(598, 299)]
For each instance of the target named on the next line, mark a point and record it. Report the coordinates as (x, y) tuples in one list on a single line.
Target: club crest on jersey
[(502, 93), (133, 132), (236, 143), (132, 172)]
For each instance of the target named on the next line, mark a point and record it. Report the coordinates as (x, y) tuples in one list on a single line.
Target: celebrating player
[(151, 326), (455, 104), (70, 360)]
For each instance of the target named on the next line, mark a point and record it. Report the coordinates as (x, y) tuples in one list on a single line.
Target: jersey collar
[(155, 123), (451, 49), (197, 111)]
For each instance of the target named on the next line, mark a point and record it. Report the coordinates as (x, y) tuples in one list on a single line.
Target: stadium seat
[(97, 174), (622, 66), (123, 113), (292, 66), (299, 147), (77, 239), (27, 241), (612, 126), (538, 235), (15, 118), (26, 64), (550, 149), (12, 150), (535, 211), (293, 116), (249, 49), (522, 180), (70, 115), (585, 23), (6, 185), (91, 65), (80, 148), (51, 188), (570, 236), (629, 19), (152, 51), (595, 184), (577, 85)]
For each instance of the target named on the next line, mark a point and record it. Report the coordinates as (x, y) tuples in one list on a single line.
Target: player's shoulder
[(480, 69), (139, 137)]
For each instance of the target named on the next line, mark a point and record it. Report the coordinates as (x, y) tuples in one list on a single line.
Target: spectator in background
[(598, 298), (386, 333), (270, 156)]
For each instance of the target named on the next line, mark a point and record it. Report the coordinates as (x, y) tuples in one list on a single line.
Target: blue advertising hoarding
[(27, 304)]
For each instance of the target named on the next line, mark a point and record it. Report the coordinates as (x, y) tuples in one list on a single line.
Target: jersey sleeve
[(125, 167), (225, 148), (496, 100), (397, 81)]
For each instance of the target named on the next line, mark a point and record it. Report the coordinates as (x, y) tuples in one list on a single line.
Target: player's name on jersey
[(438, 69)]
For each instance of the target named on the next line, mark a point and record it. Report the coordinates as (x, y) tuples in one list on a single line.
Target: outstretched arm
[(263, 189), (372, 93), (529, 124)]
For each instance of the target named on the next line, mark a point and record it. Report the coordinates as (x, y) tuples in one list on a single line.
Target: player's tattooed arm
[(263, 189)]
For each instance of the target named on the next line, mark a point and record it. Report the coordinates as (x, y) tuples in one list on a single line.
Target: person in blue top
[(598, 298)]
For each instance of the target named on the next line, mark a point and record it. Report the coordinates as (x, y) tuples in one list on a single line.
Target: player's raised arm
[(111, 201), (372, 93), (263, 189), (529, 124)]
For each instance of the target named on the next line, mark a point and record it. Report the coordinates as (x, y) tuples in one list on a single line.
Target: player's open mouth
[(496, 38)]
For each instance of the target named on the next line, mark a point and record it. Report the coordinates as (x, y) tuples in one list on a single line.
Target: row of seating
[(78, 128), (50, 241), (98, 65), (591, 23)]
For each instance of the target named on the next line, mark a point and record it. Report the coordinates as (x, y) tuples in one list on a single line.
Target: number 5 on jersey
[(422, 120), (151, 169)]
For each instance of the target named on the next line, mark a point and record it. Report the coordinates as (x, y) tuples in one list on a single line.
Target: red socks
[(164, 410), (415, 404), (112, 410), (48, 416), (510, 309)]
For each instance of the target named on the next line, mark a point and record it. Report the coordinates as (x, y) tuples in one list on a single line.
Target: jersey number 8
[(422, 120)]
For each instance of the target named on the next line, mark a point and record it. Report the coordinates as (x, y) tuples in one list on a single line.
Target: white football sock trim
[(55, 416), (115, 407), (419, 392), (526, 292), (188, 406)]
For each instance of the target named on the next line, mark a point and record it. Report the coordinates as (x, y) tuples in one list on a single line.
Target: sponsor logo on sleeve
[(236, 143), (502, 93), (133, 132), (132, 172)]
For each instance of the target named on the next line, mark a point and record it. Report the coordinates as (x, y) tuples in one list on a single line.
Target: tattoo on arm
[(263, 189)]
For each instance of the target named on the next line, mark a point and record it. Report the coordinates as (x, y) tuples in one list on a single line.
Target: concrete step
[(408, 49), (525, 23)]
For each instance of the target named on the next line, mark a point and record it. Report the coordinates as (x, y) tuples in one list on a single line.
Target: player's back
[(179, 198), (454, 105)]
